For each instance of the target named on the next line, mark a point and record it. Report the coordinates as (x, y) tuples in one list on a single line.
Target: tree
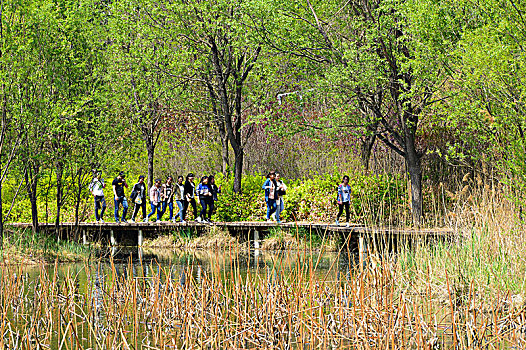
[(143, 71), (225, 55), (368, 55)]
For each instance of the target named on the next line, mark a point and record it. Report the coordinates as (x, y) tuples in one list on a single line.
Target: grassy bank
[(24, 247)]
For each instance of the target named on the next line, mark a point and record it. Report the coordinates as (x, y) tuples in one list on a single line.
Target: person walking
[(189, 192), (215, 191), (168, 197), (344, 199), (281, 191), (270, 187), (205, 198), (96, 188), (155, 200), (138, 197), (118, 185), (180, 198)]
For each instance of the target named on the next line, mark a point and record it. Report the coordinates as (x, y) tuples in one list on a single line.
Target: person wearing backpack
[(119, 197), (344, 200), (96, 188), (281, 191), (138, 197)]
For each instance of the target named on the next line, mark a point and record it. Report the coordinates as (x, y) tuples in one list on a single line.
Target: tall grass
[(24, 246), (288, 303)]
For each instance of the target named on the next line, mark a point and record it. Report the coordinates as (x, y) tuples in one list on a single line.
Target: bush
[(378, 198)]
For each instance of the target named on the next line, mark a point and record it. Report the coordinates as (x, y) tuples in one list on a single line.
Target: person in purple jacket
[(344, 200)]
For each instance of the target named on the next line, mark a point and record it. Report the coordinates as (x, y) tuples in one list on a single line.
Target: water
[(88, 291)]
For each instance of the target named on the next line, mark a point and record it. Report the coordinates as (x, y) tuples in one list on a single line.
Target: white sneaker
[(198, 219), (183, 222), (348, 225), (157, 221), (145, 220), (131, 220), (273, 217), (268, 220), (336, 222)]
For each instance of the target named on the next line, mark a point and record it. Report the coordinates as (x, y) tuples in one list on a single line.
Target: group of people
[(185, 193), (161, 196)]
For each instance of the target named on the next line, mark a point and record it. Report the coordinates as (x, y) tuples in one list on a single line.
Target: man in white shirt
[(96, 188)]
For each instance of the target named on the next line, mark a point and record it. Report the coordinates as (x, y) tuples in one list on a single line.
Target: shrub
[(378, 198)]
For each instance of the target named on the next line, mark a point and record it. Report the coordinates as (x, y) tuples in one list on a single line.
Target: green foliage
[(377, 198)]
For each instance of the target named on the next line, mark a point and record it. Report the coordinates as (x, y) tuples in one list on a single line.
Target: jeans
[(155, 208), (121, 200), (180, 204), (136, 210), (206, 203), (271, 207), (100, 203), (340, 211), (280, 206), (211, 206), (194, 206), (171, 207)]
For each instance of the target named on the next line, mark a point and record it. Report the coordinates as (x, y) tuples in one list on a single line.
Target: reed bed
[(282, 304)]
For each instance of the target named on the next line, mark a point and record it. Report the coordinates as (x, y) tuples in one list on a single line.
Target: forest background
[(421, 102)]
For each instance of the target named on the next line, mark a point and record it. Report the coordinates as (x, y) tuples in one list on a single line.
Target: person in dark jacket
[(138, 197), (168, 197), (215, 191), (189, 192), (271, 196)]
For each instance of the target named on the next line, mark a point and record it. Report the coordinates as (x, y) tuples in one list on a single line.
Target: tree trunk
[(34, 208), (1, 220), (77, 200), (59, 169), (224, 152), (151, 150), (414, 169), (32, 186), (238, 170), (367, 144)]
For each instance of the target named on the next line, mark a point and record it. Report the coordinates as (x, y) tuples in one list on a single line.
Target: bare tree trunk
[(32, 186), (59, 169), (151, 151), (238, 171), (367, 144), (224, 150), (78, 199)]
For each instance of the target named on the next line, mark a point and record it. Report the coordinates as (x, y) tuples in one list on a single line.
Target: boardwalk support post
[(361, 251), (112, 238), (84, 238), (140, 239), (256, 239)]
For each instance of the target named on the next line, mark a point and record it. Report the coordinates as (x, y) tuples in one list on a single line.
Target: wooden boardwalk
[(114, 233)]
